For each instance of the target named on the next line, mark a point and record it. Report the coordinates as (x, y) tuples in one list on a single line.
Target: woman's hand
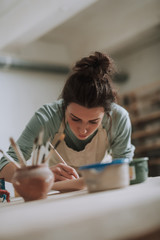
[(62, 171)]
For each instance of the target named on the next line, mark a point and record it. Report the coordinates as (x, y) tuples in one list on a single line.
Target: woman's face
[(83, 121)]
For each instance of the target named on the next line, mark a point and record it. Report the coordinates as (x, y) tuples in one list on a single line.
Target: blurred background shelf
[(145, 119), (145, 133), (143, 105), (148, 147)]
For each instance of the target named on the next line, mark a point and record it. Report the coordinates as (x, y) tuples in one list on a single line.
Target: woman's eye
[(93, 122), (75, 119)]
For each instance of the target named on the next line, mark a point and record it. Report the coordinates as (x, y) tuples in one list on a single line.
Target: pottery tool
[(40, 142), (10, 159), (53, 149), (18, 153)]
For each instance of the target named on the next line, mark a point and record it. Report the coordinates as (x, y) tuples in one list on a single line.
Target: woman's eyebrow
[(94, 119), (74, 116), (80, 119)]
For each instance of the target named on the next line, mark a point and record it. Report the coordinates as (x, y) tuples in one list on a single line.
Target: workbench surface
[(115, 214)]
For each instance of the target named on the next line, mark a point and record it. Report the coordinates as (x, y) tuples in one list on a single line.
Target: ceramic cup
[(138, 168), (33, 182)]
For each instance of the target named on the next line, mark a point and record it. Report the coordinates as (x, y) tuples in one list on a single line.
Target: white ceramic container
[(105, 176)]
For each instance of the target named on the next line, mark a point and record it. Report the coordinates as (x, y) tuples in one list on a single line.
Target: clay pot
[(33, 182)]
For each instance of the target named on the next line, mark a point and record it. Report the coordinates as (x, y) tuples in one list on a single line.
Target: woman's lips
[(82, 136)]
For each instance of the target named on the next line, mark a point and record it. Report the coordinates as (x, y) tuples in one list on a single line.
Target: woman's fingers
[(61, 178), (62, 172), (69, 170)]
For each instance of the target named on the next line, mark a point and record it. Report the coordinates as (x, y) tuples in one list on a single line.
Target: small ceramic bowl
[(105, 176), (33, 182)]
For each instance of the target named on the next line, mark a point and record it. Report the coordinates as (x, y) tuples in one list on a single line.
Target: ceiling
[(77, 27)]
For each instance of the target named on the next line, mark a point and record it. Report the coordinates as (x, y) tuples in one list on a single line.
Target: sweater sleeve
[(25, 141), (120, 141), (48, 118)]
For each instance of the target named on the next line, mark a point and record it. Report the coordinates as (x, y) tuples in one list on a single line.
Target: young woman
[(87, 114)]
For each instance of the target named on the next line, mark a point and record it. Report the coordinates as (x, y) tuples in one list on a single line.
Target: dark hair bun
[(90, 83), (98, 63)]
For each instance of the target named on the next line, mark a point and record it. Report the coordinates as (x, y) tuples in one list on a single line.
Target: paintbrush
[(10, 159), (34, 150), (43, 158), (18, 153), (61, 138), (53, 149), (59, 156), (46, 151), (40, 142)]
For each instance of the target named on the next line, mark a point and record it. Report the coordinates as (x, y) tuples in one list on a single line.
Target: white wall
[(21, 94), (143, 67)]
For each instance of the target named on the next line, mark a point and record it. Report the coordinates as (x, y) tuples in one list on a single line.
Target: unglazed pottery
[(106, 176), (33, 182)]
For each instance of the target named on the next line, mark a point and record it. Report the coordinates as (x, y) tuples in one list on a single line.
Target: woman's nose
[(83, 129)]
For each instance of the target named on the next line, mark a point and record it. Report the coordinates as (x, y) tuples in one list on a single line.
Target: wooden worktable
[(116, 214)]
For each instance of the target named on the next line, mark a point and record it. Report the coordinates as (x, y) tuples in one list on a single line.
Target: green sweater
[(50, 116)]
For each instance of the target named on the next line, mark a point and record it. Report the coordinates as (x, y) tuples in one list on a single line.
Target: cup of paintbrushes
[(31, 182)]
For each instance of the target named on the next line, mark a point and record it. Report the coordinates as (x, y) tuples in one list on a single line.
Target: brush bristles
[(61, 138)]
